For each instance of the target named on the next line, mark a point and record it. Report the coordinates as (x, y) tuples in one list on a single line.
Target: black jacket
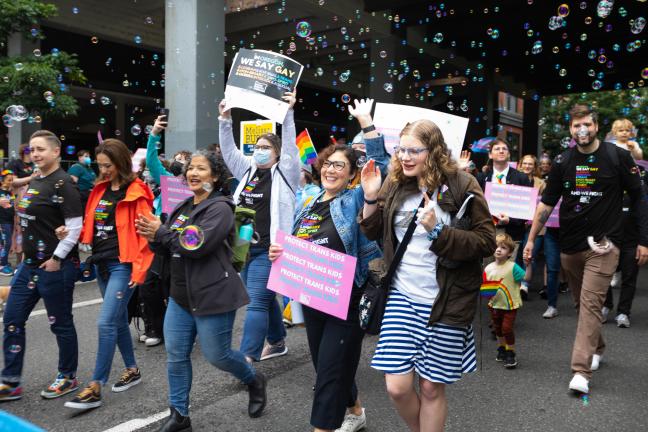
[(213, 285), (515, 227)]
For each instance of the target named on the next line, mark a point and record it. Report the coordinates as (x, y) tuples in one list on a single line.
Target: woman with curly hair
[(426, 329)]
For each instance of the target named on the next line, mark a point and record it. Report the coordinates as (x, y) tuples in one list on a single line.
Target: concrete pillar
[(20, 132), (194, 72)]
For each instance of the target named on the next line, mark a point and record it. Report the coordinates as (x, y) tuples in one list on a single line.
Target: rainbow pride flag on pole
[(307, 152)]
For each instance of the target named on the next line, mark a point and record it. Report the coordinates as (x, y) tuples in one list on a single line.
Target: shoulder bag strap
[(400, 250)]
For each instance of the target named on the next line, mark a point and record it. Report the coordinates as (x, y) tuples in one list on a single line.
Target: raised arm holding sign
[(258, 81)]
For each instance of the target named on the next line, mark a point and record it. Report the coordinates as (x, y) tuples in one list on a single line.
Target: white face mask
[(261, 157)]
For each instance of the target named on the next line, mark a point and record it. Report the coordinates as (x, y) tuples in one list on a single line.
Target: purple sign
[(173, 192), (517, 202), (554, 217)]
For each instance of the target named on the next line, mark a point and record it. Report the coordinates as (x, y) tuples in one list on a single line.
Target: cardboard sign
[(514, 201), (390, 119), (137, 157), (173, 191), (313, 275), (251, 131), (257, 81)]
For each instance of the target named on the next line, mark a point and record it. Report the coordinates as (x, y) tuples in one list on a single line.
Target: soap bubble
[(94, 40), (70, 149), (644, 73), (362, 160), (17, 112), (382, 54), (638, 25), (137, 39), (148, 20), (7, 121), (388, 87), (604, 8), (31, 284), (75, 10), (346, 98), (319, 71), (105, 100), (563, 10), (578, 208), (103, 235), (86, 273), (51, 320), (15, 349), (303, 29), (19, 66), (119, 295), (208, 187), (11, 328), (438, 38), (597, 84), (344, 76), (537, 47), (37, 52), (136, 129), (191, 237), (40, 245), (555, 22)]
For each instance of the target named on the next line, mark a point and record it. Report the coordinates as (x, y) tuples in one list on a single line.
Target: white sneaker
[(604, 311), (151, 342), (353, 423), (579, 384), (596, 362), (143, 337), (622, 321), (616, 278), (551, 312)]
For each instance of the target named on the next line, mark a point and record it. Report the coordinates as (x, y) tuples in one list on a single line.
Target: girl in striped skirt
[(426, 331)]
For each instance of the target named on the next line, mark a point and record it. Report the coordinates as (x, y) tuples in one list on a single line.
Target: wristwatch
[(369, 128), (56, 258)]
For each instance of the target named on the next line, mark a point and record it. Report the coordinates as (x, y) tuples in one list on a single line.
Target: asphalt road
[(534, 397)]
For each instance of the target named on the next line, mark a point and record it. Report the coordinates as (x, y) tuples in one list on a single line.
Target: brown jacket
[(460, 251)]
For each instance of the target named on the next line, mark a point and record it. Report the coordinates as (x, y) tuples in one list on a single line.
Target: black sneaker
[(501, 354), (89, 397), (510, 362), (258, 397), (129, 378), (563, 287), (176, 423), (543, 293)]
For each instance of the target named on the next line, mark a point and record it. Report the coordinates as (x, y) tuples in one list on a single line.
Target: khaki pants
[(588, 275)]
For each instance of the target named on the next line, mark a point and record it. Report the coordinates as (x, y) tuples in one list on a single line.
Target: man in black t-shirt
[(47, 272), (591, 179)]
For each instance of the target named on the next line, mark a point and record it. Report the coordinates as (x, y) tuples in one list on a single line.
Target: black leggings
[(335, 346), (152, 301)]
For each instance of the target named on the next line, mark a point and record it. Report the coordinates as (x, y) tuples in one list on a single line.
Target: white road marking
[(138, 423), (74, 306)]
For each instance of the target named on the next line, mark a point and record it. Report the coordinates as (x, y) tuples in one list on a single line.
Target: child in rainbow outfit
[(502, 284)]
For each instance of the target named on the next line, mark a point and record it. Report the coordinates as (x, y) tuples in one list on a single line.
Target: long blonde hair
[(438, 163)]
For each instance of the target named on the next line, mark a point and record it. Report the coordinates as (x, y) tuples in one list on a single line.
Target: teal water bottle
[(245, 233)]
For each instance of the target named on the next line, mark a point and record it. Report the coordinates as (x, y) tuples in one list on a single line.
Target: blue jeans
[(56, 289), (7, 234), (549, 242), (112, 324), (215, 336), (263, 318)]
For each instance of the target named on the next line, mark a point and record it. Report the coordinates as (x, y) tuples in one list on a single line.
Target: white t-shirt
[(415, 277)]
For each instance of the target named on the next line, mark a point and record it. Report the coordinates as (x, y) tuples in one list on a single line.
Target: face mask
[(176, 168), (261, 157), (87, 160)]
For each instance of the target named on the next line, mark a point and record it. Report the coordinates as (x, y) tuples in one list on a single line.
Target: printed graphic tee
[(7, 213), (591, 187), (105, 232), (178, 290), (256, 196), (42, 209), (317, 227)]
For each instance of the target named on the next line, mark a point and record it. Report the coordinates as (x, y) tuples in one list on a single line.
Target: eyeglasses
[(263, 147), (337, 165), (411, 152)]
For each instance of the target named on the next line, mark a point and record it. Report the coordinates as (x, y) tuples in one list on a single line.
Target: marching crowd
[(417, 220)]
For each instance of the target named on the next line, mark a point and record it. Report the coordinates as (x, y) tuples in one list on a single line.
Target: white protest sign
[(390, 119)]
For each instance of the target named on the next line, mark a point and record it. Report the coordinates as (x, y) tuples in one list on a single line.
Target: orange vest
[(133, 248)]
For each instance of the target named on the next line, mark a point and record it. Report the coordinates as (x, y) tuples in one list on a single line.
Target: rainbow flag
[(490, 289), (307, 152)]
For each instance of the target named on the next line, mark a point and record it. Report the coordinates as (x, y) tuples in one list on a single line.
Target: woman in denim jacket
[(330, 219)]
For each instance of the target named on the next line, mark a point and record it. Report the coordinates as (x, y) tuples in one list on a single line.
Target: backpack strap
[(284, 179)]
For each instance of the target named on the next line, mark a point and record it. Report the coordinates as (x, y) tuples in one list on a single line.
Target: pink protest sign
[(173, 192), (517, 202), (554, 219), (315, 276)]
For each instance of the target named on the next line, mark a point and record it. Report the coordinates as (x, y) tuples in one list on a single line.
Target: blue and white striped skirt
[(440, 353)]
